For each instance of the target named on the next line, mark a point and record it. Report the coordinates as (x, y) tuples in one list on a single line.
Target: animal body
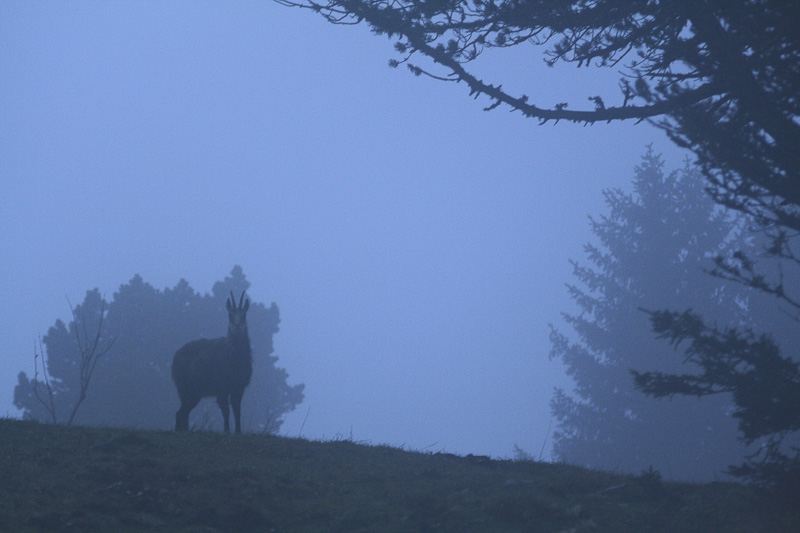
[(215, 367)]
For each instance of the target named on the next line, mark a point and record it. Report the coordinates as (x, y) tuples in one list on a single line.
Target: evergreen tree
[(720, 77), (132, 385), (654, 246)]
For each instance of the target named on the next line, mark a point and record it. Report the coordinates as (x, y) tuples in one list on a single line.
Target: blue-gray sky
[(416, 246)]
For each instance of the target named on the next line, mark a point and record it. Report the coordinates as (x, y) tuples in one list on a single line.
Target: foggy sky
[(417, 246)]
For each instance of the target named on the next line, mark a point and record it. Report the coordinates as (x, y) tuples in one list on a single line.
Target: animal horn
[(233, 299), (241, 300)]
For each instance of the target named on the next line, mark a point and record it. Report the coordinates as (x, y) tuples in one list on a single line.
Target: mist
[(416, 246)]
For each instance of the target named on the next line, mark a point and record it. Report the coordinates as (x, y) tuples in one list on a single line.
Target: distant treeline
[(131, 385)]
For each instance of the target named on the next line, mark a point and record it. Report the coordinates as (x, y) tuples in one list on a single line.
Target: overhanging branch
[(521, 104)]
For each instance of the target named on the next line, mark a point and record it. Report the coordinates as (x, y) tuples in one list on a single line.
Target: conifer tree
[(721, 78), (653, 248)]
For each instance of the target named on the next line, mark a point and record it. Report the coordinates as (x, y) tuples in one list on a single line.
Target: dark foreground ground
[(55, 478)]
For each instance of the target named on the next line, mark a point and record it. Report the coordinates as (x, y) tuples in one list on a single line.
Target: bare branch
[(90, 354), (50, 404)]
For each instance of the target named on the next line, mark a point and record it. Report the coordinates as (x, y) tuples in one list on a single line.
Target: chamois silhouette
[(215, 367)]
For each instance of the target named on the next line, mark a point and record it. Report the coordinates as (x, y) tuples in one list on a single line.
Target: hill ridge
[(88, 478)]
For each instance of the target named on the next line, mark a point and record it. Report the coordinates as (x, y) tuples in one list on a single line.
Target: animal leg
[(222, 401), (236, 403), (182, 416)]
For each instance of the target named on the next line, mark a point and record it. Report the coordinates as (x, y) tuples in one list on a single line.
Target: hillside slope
[(101, 479)]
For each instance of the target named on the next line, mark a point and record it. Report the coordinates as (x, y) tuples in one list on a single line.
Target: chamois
[(215, 367)]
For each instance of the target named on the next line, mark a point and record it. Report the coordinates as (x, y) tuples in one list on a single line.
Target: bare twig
[(549, 426), (90, 353), (50, 404), (300, 433)]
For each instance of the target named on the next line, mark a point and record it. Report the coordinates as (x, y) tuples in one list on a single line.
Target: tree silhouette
[(721, 77), (132, 384), (764, 384), (84, 343), (653, 247)]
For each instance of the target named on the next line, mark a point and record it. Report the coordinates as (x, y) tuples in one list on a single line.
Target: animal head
[(237, 315)]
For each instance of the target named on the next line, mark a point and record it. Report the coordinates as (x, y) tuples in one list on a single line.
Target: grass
[(55, 478)]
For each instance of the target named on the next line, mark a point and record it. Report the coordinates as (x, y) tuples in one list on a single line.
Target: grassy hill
[(100, 479)]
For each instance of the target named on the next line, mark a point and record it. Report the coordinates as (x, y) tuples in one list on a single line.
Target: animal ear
[(246, 306), (228, 304), (233, 302)]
